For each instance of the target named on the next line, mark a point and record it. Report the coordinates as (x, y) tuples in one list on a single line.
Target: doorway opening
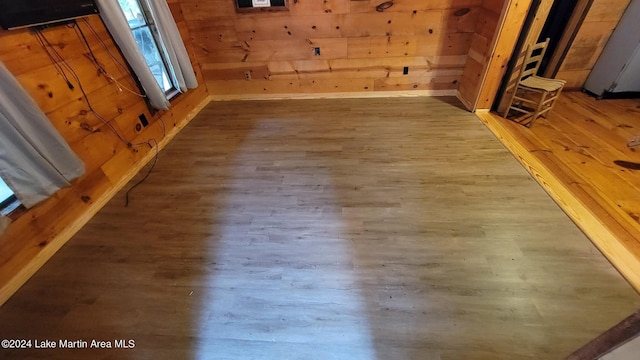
[(554, 27)]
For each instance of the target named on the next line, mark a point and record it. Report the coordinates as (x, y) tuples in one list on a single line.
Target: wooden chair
[(533, 96)]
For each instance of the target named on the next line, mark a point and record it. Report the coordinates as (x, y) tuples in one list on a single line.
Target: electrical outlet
[(143, 120), (316, 51), (247, 75), (405, 71)]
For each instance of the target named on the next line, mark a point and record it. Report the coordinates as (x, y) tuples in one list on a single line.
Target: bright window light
[(5, 192), (143, 29)]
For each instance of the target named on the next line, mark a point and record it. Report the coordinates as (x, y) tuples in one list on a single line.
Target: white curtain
[(181, 69), (183, 73), (116, 22), (35, 161)]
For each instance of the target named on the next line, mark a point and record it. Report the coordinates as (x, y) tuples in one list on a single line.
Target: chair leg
[(513, 95), (553, 103), (538, 108)]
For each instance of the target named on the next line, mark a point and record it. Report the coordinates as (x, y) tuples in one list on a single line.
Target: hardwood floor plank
[(392, 228), (593, 174), (573, 153)]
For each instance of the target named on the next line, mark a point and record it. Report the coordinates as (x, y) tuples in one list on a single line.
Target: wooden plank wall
[(599, 23), (480, 52), (496, 34), (37, 234), (361, 50)]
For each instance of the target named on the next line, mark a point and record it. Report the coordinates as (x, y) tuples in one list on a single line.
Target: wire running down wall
[(37, 234)]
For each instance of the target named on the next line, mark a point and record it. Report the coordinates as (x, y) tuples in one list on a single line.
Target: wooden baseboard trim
[(349, 95), (464, 102)]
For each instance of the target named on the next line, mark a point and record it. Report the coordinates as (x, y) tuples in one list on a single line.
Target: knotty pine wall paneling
[(37, 234), (489, 54), (361, 50), (480, 51), (598, 25)]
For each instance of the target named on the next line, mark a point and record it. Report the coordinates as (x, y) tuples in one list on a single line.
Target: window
[(5, 192), (146, 35), (8, 201)]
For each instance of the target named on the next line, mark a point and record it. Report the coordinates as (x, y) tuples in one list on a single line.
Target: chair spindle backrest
[(535, 54)]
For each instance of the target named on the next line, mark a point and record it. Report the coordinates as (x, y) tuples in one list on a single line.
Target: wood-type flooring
[(396, 228)]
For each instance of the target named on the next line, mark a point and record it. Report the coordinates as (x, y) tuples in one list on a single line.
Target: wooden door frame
[(515, 12), (528, 36), (511, 18)]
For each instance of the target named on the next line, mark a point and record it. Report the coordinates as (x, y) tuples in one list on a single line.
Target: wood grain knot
[(384, 6), (85, 126), (462, 12)]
